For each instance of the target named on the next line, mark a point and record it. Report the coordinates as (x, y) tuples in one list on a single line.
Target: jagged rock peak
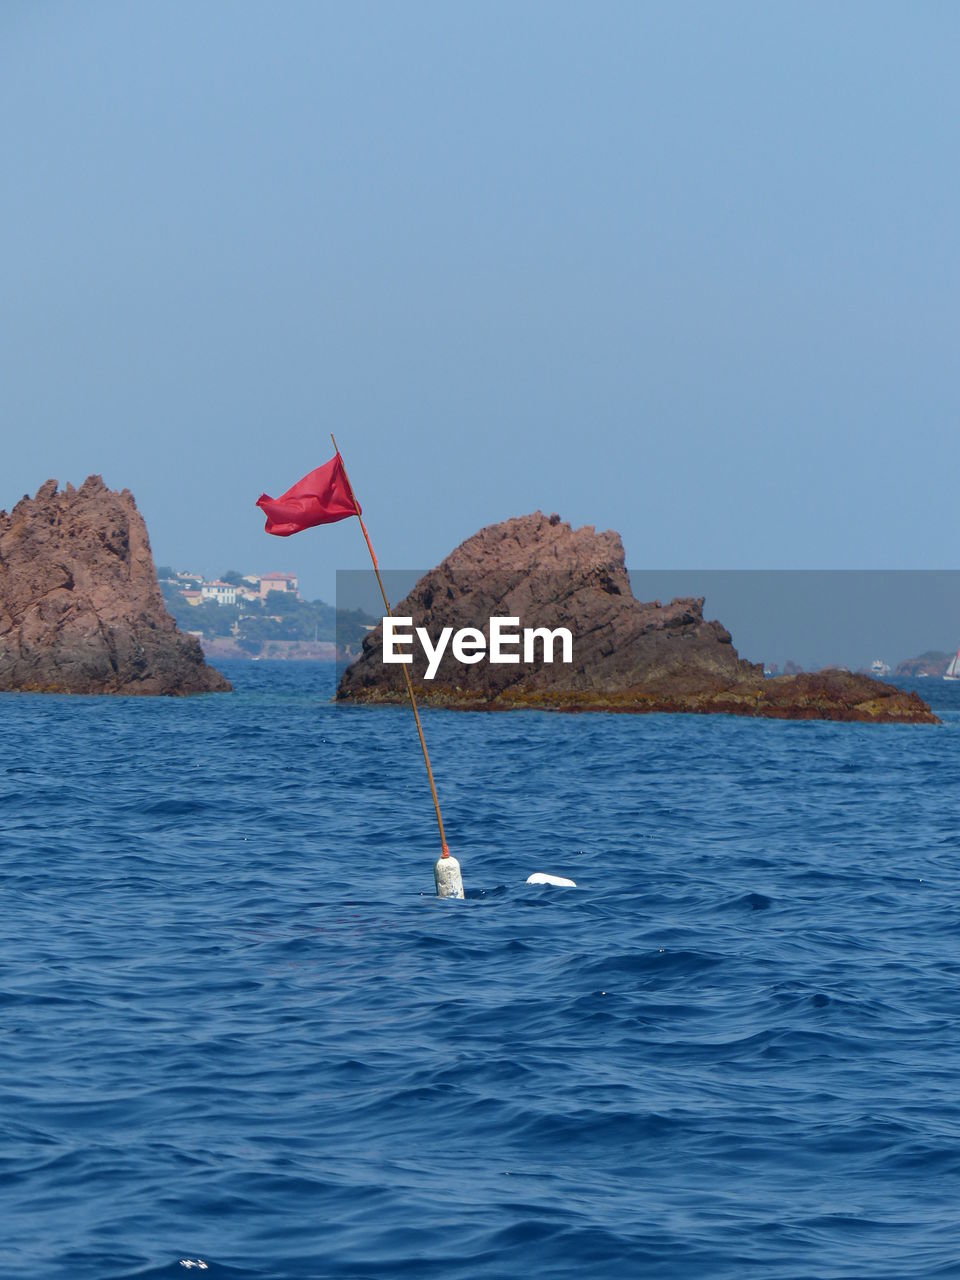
[(628, 655), (80, 607), (548, 574)]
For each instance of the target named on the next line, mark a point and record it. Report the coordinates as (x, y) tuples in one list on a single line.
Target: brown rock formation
[(931, 663), (80, 608), (628, 655)]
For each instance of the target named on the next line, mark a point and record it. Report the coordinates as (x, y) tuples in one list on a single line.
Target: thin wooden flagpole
[(406, 675)]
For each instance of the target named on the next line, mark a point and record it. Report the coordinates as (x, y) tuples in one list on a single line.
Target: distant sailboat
[(953, 671)]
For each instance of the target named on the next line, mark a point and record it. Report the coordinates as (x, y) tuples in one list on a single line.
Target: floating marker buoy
[(447, 875), (541, 877)]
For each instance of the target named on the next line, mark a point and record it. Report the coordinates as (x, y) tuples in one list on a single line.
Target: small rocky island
[(932, 663), (628, 656), (80, 607)]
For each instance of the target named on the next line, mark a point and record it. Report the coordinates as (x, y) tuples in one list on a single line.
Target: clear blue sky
[(689, 271)]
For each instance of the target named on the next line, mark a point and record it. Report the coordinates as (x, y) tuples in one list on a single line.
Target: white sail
[(953, 670)]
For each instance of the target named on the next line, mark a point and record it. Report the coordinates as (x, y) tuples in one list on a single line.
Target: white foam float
[(541, 877), (446, 874)]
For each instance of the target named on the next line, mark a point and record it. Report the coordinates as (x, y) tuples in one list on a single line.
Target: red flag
[(322, 497)]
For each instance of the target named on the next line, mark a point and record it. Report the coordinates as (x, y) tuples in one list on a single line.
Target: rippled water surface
[(238, 1028)]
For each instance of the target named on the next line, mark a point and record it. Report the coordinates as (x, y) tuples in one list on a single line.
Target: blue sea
[(241, 1037)]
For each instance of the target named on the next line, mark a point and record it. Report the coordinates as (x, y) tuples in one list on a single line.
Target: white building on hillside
[(221, 592)]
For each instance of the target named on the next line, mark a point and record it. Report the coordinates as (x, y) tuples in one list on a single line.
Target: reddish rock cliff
[(628, 655), (80, 608)]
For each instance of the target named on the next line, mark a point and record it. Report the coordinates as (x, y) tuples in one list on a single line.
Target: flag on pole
[(322, 497)]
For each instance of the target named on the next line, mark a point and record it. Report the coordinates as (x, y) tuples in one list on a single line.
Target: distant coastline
[(933, 663), (253, 616), (218, 648)]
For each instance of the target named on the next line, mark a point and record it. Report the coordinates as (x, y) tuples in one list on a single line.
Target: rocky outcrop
[(931, 663), (80, 608), (628, 655)]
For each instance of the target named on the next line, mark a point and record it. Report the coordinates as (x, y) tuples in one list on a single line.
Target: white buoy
[(541, 877), (447, 875)]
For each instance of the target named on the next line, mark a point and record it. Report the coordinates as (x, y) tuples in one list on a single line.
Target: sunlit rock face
[(627, 655), (80, 607)]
